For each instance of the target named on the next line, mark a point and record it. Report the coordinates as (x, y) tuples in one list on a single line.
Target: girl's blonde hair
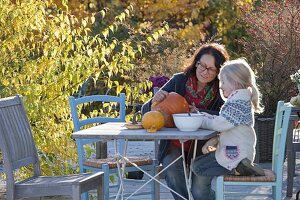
[(241, 76)]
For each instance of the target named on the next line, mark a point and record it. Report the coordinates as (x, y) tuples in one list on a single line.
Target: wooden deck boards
[(147, 148)]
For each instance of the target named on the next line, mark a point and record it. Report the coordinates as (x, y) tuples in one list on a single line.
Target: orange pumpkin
[(153, 121), (174, 103)]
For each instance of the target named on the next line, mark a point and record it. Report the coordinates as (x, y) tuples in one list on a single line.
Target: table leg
[(186, 176), (192, 161), (118, 157), (154, 178), (122, 157)]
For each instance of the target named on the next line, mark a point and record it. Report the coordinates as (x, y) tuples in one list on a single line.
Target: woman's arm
[(175, 84)]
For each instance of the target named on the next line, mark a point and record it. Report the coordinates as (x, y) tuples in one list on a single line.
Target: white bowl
[(188, 121)]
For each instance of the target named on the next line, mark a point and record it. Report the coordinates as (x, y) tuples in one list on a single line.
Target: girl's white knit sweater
[(235, 123)]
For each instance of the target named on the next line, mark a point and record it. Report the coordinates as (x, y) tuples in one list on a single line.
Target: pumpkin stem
[(135, 117)]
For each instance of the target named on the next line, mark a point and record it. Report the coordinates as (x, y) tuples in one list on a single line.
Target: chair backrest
[(16, 141), (283, 113), (296, 135), (78, 123)]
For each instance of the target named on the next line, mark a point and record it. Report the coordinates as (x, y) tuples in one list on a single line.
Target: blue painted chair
[(107, 165), (272, 178), (1, 163)]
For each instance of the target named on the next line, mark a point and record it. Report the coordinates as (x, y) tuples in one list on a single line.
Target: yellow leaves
[(102, 12), (195, 14), (63, 38), (111, 27), (84, 22), (57, 33), (16, 24), (67, 20), (191, 33), (93, 19), (119, 89), (121, 17), (149, 39), (105, 33), (90, 52), (158, 33), (5, 82), (155, 36), (51, 63), (128, 10)]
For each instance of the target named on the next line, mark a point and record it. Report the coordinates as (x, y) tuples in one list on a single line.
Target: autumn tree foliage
[(48, 53), (273, 47), (191, 23)]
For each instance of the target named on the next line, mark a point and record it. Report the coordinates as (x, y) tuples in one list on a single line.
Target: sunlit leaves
[(152, 37), (47, 56), (102, 12), (84, 23)]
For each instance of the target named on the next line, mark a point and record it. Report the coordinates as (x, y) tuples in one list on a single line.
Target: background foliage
[(47, 53), (191, 22), (273, 48)]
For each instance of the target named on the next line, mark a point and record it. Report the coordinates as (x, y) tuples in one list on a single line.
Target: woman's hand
[(193, 108), (159, 96)]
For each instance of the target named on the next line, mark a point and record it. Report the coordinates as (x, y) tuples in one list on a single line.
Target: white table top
[(117, 130)]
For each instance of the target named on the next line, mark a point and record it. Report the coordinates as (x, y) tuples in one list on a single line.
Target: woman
[(199, 85)]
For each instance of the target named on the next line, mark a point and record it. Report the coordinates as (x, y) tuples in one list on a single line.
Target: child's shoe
[(246, 168)]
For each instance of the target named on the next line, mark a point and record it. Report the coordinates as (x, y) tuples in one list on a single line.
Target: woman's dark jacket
[(177, 84)]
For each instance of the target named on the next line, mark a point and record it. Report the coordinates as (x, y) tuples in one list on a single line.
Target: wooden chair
[(18, 149), (293, 147), (107, 165), (272, 178), (1, 162)]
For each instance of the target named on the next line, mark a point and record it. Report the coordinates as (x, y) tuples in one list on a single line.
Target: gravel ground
[(146, 148)]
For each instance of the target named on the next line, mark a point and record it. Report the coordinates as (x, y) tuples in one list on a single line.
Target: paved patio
[(147, 148)]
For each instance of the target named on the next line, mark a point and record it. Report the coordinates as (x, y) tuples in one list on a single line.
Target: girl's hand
[(208, 149), (210, 145), (209, 116), (159, 96)]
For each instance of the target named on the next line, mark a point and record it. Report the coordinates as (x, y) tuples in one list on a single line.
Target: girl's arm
[(236, 111), (217, 123)]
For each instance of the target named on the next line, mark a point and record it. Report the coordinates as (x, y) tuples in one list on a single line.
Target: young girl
[(236, 141)]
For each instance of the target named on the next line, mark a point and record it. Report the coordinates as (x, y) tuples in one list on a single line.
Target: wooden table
[(115, 131)]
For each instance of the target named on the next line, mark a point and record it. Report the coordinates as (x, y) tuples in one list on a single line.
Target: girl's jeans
[(174, 176), (206, 167)]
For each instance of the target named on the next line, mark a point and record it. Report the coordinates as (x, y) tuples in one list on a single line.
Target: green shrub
[(46, 54)]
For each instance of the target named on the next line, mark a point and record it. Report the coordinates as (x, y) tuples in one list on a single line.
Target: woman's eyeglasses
[(202, 68)]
